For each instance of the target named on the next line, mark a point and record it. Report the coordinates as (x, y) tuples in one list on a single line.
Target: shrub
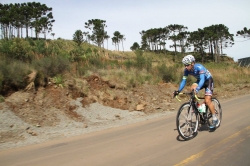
[(58, 80), (88, 52), (51, 66), (142, 61), (39, 47), (13, 75), (168, 74), (18, 49), (95, 61), (129, 63), (78, 37)]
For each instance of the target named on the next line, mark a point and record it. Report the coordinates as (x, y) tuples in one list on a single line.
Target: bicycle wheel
[(187, 122), (218, 112)]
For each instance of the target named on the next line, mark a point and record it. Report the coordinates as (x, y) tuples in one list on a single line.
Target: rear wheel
[(218, 112), (187, 122)]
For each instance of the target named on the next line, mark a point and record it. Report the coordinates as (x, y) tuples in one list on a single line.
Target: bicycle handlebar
[(189, 93)]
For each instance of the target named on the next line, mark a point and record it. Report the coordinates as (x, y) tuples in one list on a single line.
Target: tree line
[(214, 38), (14, 18), (97, 34), (244, 33)]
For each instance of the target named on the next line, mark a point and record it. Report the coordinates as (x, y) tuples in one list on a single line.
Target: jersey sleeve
[(201, 82), (183, 81)]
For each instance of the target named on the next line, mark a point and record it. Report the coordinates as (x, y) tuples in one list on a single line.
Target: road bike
[(189, 120)]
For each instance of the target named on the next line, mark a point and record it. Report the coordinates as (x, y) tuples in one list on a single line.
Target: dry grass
[(125, 68), (223, 73), (229, 73)]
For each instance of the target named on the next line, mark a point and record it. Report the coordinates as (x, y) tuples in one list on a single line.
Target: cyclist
[(204, 80)]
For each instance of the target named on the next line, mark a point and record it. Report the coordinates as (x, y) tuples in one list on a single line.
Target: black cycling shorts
[(209, 86)]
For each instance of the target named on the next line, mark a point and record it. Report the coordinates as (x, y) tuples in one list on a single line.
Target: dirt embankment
[(54, 112)]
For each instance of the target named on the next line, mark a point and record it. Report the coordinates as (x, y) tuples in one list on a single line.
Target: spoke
[(187, 122)]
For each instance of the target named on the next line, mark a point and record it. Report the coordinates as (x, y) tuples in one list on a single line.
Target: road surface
[(149, 143)]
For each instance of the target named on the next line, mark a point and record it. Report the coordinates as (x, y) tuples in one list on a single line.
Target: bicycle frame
[(188, 116), (192, 101)]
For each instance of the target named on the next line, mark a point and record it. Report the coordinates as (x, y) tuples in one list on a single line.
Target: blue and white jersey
[(199, 72)]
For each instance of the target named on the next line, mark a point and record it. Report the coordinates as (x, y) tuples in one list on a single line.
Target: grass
[(229, 73), (55, 58)]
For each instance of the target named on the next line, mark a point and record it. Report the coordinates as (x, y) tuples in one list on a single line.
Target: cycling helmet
[(188, 59)]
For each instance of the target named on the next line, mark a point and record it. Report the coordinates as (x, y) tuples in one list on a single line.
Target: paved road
[(150, 143)]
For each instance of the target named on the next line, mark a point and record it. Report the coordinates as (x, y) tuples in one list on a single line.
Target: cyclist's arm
[(201, 82), (183, 83)]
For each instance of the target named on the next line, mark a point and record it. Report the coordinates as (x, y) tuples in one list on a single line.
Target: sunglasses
[(187, 65)]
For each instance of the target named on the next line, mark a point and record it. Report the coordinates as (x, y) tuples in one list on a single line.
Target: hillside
[(55, 89), (53, 112)]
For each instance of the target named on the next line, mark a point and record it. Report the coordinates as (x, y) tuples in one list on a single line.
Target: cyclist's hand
[(175, 93), (195, 91)]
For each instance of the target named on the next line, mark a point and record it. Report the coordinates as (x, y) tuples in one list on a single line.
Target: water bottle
[(201, 107)]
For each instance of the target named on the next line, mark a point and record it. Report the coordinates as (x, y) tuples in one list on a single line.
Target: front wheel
[(218, 112), (187, 121)]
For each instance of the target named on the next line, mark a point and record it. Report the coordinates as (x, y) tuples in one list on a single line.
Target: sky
[(130, 17)]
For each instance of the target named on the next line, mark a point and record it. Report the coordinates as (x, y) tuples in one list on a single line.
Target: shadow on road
[(179, 138), (204, 127)]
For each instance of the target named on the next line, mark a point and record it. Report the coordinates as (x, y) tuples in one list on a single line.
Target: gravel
[(14, 132)]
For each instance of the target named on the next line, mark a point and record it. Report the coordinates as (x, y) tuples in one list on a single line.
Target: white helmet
[(188, 59)]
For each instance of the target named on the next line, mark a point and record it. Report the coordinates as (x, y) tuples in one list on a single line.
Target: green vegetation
[(214, 38), (148, 63), (78, 37), (244, 33), (118, 37), (29, 16), (97, 27), (57, 59)]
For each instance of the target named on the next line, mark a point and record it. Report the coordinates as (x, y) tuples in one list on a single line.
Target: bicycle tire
[(218, 112), (187, 121)]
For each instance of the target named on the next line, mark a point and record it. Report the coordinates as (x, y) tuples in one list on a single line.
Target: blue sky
[(132, 16)]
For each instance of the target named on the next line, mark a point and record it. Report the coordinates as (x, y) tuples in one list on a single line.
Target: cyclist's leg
[(208, 101), (209, 86)]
